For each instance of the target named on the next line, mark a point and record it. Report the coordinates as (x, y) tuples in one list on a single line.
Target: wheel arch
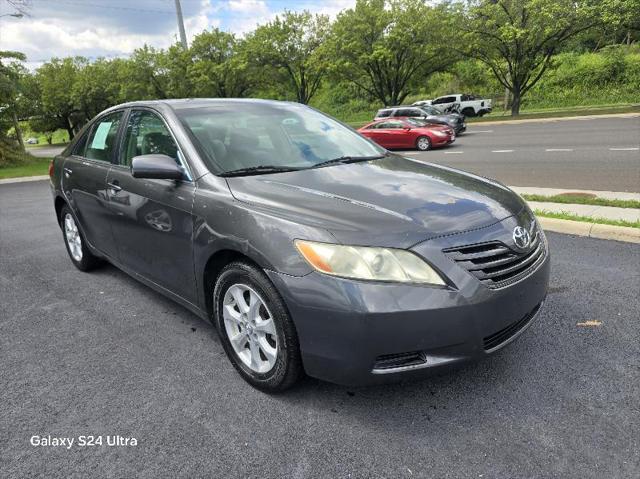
[(213, 266), (58, 204)]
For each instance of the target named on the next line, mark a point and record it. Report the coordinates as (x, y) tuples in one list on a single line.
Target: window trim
[(181, 156)]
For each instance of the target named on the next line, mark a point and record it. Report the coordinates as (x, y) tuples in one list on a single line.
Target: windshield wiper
[(259, 170), (348, 159)]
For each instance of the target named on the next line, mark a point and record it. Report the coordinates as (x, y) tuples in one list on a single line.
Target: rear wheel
[(257, 332), (468, 112), (76, 245), (423, 143)]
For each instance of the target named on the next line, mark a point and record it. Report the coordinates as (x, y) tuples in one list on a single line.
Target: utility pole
[(183, 36)]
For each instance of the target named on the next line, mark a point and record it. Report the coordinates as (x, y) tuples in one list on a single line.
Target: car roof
[(182, 103)]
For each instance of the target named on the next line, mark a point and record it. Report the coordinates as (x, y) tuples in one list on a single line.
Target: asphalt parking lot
[(101, 354)]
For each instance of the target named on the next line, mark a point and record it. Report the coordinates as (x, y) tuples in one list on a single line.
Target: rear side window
[(81, 144), (101, 143), (383, 113)]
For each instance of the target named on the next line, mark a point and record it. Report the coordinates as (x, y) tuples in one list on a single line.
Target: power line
[(111, 7)]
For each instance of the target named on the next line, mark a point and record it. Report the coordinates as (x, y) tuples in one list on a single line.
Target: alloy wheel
[(250, 328), (423, 143), (72, 235)]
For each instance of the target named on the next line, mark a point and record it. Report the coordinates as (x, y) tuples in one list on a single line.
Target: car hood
[(394, 201)]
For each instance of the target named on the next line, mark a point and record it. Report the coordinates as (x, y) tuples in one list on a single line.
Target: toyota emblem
[(521, 237)]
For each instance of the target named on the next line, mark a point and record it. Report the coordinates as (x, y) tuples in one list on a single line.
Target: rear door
[(152, 221), (84, 179)]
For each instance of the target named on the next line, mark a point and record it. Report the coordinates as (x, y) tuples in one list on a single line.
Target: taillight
[(51, 168)]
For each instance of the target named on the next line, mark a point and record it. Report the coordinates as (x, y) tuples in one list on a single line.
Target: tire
[(267, 370), (423, 143), (469, 112), (75, 243)]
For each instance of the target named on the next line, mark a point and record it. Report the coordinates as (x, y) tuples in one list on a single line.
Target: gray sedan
[(310, 248)]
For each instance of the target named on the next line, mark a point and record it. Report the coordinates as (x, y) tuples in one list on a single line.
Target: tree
[(622, 19), (96, 87), (10, 74), (55, 81), (292, 44), (145, 76), (518, 38), (387, 48), (219, 68)]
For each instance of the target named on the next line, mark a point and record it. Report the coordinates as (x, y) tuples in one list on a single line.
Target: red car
[(408, 133)]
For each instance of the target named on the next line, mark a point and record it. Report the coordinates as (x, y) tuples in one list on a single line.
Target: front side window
[(101, 143), (238, 135), (147, 134)]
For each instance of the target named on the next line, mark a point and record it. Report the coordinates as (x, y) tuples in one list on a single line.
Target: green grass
[(587, 219), (35, 167), (583, 200)]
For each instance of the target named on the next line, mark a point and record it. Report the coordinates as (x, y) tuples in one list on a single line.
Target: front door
[(84, 179), (151, 218), (392, 134)]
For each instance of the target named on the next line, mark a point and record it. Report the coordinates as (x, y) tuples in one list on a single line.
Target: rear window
[(383, 113)]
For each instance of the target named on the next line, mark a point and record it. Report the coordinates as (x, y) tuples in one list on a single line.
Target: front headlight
[(440, 133), (368, 263)]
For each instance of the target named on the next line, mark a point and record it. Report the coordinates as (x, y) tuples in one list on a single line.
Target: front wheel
[(256, 330), (423, 143)]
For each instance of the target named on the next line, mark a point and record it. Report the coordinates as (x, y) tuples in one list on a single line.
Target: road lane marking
[(412, 152), (559, 149), (453, 152), (635, 148), (590, 323), (481, 131), (501, 151)]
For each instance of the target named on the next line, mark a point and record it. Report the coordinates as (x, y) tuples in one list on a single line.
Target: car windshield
[(431, 110), (264, 137)]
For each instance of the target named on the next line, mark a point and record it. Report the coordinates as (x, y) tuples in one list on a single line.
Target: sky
[(114, 28)]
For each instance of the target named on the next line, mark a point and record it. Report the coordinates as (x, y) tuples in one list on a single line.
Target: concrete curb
[(552, 119), (591, 230), (23, 179)]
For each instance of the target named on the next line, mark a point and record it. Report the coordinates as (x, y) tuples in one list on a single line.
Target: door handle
[(114, 186), (67, 171)]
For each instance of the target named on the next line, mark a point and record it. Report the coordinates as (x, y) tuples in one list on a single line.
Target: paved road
[(102, 354), (46, 151), (593, 154)]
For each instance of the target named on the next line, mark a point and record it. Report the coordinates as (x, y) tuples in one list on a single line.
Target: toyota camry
[(309, 247)]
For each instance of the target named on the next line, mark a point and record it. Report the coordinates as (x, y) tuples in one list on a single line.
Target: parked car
[(32, 141), (468, 105), (408, 133), (310, 248), (427, 112)]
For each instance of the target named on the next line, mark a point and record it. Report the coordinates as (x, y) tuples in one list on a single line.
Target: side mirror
[(156, 166)]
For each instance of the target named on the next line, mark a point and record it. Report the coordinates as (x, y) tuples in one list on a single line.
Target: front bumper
[(356, 332)]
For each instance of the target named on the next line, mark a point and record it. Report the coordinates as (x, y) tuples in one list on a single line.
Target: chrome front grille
[(495, 264)]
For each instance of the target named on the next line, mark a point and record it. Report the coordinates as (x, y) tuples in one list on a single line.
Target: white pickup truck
[(469, 105)]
